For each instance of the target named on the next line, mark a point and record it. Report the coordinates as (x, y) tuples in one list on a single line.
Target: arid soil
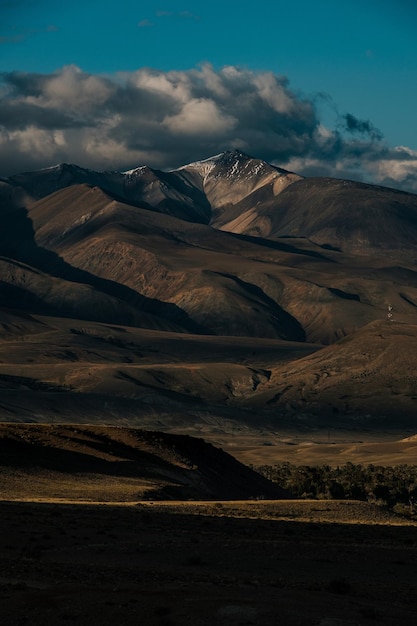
[(259, 563), (317, 447), (81, 540)]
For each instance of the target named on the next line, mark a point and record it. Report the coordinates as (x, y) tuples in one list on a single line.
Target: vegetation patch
[(394, 487)]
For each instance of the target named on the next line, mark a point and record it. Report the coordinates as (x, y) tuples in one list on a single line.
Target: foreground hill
[(117, 464)]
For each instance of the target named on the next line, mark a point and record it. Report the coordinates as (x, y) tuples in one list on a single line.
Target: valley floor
[(320, 446), (225, 563)]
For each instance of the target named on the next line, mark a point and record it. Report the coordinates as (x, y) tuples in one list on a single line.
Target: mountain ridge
[(229, 250), (235, 192)]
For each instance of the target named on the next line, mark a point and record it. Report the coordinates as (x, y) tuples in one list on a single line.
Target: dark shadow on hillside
[(185, 461), (17, 241), (291, 328), (18, 298), (28, 455), (175, 396), (275, 244)]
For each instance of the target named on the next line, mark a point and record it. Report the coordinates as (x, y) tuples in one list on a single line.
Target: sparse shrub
[(401, 509), (336, 491)]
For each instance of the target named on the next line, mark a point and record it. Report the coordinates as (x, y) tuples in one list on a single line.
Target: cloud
[(398, 166), (166, 119), (202, 117), (145, 24), (354, 125)]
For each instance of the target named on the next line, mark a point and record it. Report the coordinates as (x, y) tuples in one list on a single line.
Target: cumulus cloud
[(166, 119), (363, 127)]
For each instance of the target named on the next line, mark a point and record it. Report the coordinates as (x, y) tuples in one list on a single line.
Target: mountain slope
[(192, 192), (367, 376), (238, 193), (162, 272), (229, 252), (234, 179), (344, 214), (176, 265)]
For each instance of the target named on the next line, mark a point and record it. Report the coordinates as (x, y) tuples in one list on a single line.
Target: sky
[(320, 88)]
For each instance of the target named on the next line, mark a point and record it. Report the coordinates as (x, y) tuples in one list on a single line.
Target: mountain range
[(226, 289)]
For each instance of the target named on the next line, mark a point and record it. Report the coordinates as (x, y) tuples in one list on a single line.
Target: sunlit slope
[(212, 282), (344, 214)]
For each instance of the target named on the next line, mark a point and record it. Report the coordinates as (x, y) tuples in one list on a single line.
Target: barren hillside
[(228, 289)]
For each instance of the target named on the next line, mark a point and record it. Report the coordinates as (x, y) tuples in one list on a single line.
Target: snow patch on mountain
[(203, 167), (137, 171)]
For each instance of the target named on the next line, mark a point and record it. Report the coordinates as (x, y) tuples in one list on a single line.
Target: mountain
[(235, 192), (239, 266), (351, 216)]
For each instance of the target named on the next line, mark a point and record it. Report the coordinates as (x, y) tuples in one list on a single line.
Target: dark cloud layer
[(166, 119), (353, 125)]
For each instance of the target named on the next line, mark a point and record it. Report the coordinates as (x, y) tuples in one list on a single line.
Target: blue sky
[(354, 64)]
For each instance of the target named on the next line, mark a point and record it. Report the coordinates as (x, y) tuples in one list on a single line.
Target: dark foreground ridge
[(114, 463)]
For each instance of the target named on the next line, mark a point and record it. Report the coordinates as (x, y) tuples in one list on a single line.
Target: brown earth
[(76, 371), (260, 563), (81, 542)]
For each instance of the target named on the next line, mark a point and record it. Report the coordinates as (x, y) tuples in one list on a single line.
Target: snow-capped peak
[(203, 167), (137, 171)]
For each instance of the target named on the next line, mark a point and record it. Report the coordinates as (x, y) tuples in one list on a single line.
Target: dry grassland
[(84, 547)]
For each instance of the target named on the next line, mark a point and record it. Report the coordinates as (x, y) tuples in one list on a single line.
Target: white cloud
[(166, 119), (74, 89), (273, 92), (200, 117), (400, 168)]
